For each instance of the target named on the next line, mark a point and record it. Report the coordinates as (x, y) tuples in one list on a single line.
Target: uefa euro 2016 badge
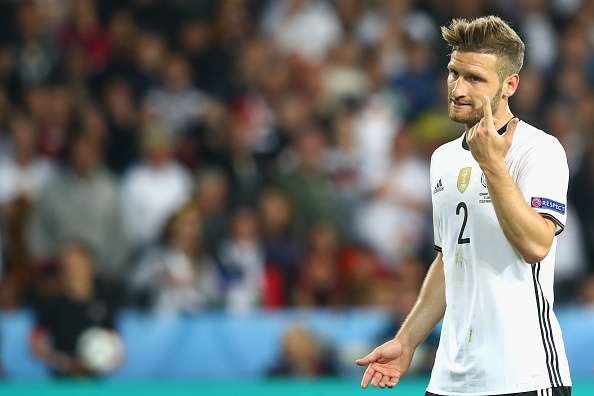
[(464, 178)]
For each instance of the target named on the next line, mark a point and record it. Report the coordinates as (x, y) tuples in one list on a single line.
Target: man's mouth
[(459, 104)]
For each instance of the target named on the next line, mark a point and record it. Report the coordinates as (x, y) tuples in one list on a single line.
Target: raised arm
[(527, 231)]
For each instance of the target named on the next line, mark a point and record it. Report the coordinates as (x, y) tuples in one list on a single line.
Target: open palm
[(386, 364)]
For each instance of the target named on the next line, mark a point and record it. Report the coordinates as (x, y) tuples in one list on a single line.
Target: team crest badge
[(464, 179)]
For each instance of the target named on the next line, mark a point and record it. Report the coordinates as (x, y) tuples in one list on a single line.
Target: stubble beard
[(476, 113)]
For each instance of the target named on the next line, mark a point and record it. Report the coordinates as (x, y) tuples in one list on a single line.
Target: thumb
[(370, 358), (510, 130)]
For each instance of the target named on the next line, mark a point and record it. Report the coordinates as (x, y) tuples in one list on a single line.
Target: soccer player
[(499, 200)]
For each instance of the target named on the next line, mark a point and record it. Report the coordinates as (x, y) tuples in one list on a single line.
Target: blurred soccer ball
[(100, 350)]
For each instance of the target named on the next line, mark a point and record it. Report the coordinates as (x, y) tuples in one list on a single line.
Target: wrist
[(404, 338), (493, 167)]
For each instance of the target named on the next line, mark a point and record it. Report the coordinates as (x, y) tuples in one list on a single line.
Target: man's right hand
[(386, 364)]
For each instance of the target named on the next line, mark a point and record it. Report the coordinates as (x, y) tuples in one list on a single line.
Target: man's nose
[(459, 88)]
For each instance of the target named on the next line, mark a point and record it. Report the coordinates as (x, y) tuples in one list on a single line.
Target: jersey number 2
[(461, 240)]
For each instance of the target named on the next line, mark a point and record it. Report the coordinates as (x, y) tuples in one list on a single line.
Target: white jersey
[(499, 332)]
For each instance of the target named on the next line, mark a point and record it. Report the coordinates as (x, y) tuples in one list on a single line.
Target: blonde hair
[(488, 35)]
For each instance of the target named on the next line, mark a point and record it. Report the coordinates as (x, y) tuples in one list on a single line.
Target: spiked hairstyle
[(488, 35)]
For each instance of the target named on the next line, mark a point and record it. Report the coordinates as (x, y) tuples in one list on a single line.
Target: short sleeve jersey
[(499, 334)]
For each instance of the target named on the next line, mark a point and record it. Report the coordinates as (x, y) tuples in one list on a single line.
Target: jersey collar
[(500, 131)]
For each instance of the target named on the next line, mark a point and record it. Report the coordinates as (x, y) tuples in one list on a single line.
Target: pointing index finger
[(487, 110)]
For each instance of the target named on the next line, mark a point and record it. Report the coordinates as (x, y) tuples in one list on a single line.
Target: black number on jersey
[(461, 240)]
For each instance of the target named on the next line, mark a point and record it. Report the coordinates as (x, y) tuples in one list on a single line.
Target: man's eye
[(454, 73)]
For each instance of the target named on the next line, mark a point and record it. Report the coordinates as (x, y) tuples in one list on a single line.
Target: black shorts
[(558, 391)]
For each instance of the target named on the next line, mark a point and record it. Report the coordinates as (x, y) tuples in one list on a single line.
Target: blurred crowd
[(246, 154)]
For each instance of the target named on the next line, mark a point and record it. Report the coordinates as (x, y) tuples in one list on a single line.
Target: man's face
[(86, 154), (471, 76)]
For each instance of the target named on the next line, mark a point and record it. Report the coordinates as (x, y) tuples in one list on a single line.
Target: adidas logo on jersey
[(438, 187)]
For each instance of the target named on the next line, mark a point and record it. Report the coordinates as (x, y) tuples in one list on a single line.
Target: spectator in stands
[(36, 53), (122, 145), (318, 281), (293, 114), (210, 60), (81, 203), (530, 100), (245, 170), (53, 109), (393, 220), (84, 32), (376, 121), (539, 34), (303, 356), (360, 269), (177, 274), (242, 259), (562, 123), (310, 190), (154, 189), (343, 77), (418, 80), (83, 301), (343, 163), (177, 101), (281, 244), (211, 196), (36, 100), (150, 50), (23, 174), (307, 28)]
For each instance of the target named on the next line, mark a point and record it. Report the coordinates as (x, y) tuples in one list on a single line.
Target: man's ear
[(510, 85)]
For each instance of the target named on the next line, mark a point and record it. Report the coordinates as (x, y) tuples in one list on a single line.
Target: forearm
[(527, 231), (42, 348), (429, 308)]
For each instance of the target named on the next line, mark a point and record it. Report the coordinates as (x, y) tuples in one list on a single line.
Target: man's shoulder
[(531, 138), (533, 135)]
